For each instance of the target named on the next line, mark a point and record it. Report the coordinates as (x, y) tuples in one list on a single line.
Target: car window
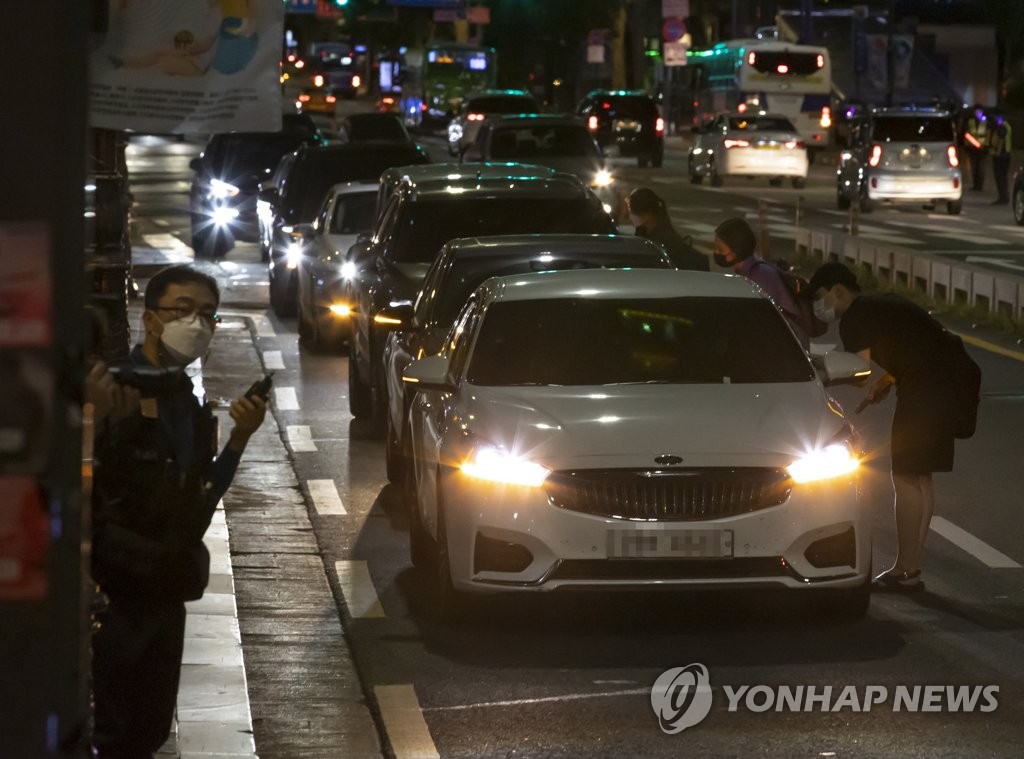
[(761, 124), (384, 127), (543, 141), (912, 129), (353, 214), (236, 154), (388, 218), (603, 341), (626, 107), (461, 335), (463, 276), (321, 217), (427, 224), (502, 104)]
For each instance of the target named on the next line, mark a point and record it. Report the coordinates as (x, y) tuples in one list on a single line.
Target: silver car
[(901, 155)]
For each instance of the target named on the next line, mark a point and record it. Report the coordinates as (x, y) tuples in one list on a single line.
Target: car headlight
[(221, 189), (348, 270), (603, 178), (293, 256), (498, 465), (223, 216), (833, 460)]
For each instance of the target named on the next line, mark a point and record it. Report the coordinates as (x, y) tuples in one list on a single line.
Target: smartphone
[(261, 388)]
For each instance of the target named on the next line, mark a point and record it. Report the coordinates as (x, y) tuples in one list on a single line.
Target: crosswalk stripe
[(358, 591), (403, 721), (980, 550), (264, 327), (325, 497), (285, 399), (273, 360), (300, 439)]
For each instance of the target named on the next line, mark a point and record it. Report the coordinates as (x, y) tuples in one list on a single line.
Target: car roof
[(926, 112), (436, 172), (559, 246), (559, 185), (355, 188), (619, 283)]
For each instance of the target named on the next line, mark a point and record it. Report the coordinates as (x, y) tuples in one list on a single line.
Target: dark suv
[(417, 221), (629, 121), (222, 200), (297, 193)]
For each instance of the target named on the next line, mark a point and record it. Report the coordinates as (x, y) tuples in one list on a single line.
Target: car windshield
[(431, 223), (354, 213), (760, 124), (543, 141), (502, 104), (380, 127), (466, 275), (605, 341), (913, 129), (250, 153), (625, 107), (310, 179)]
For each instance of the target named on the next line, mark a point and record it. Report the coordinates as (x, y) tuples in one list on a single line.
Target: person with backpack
[(734, 248), (650, 217), (924, 362)]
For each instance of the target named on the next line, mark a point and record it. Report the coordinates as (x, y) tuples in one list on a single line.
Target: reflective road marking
[(285, 399), (325, 497), (299, 438), (264, 327), (272, 360), (977, 548), (403, 720), (357, 588)]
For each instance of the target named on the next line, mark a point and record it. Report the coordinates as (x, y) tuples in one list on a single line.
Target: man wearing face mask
[(157, 481), (913, 349)]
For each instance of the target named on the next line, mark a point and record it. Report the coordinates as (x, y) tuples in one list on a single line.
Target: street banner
[(192, 66)]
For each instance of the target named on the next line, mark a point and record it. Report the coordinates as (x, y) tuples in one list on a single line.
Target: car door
[(432, 413), (309, 265), (364, 283)]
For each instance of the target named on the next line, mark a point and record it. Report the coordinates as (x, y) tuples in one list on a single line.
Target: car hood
[(629, 425), (581, 166)]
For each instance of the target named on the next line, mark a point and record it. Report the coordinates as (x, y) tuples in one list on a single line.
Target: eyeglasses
[(188, 312)]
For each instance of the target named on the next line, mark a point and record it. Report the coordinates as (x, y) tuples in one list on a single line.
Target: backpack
[(797, 286), (965, 375)]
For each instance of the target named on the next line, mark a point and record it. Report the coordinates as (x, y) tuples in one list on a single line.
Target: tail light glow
[(736, 144), (476, 117), (356, 80), (826, 117), (742, 108), (751, 57), (876, 155), (318, 81), (782, 68), (796, 145), (303, 98), (331, 99), (659, 125), (592, 123), (954, 159), (821, 61)]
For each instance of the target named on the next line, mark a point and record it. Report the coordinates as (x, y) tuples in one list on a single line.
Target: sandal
[(902, 582)]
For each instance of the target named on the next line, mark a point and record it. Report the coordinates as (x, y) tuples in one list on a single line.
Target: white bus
[(765, 75)]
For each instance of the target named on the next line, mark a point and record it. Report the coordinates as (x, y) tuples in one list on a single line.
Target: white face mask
[(823, 312), (186, 339)]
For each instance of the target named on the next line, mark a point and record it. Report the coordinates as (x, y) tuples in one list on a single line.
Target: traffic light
[(341, 3)]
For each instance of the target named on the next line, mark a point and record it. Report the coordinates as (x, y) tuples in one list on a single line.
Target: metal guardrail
[(944, 280)]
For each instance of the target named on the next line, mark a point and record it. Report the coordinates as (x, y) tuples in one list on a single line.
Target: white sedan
[(750, 145), (633, 428)]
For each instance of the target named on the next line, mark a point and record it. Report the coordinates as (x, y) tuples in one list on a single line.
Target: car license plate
[(767, 145), (626, 125), (669, 543)]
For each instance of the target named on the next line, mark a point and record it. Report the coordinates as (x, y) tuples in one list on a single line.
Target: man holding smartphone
[(158, 480)]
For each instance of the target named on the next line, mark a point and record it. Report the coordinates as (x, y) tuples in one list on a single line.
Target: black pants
[(136, 665), (1001, 175), (977, 160)]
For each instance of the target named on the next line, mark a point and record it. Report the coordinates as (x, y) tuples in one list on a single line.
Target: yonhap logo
[(681, 697)]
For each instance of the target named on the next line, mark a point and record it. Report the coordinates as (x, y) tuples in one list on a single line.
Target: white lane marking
[(977, 548), (993, 262), (966, 237), (403, 720), (285, 399), (166, 242), (273, 360), (325, 497), (264, 327), (541, 700), (300, 439), (357, 588)]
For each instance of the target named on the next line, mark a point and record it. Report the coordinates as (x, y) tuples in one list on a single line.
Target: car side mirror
[(428, 373), (305, 231), (267, 194), (394, 316), (839, 368), (363, 238)]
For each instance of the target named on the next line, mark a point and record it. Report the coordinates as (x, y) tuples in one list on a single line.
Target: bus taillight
[(821, 61), (592, 123), (318, 81), (826, 117), (954, 160), (659, 125), (356, 81), (751, 57), (782, 68), (876, 155)]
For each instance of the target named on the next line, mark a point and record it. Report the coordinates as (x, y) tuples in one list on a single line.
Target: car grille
[(668, 495)]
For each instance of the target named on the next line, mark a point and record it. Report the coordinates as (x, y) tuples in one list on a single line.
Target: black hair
[(179, 274), (645, 200)]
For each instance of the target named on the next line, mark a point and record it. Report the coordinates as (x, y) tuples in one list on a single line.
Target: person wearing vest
[(1001, 147), (157, 481), (976, 146)]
